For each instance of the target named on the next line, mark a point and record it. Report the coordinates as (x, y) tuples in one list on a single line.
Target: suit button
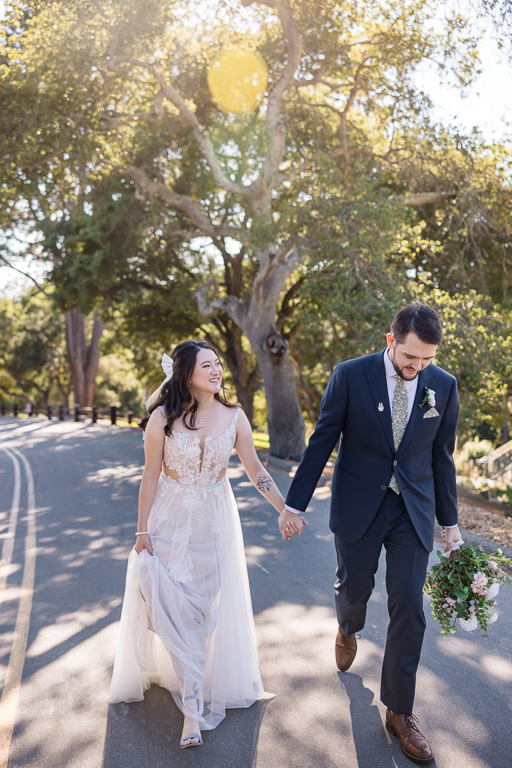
[(383, 487), (395, 463)]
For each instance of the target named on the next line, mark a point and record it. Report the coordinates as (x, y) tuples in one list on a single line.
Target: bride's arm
[(153, 453), (289, 523)]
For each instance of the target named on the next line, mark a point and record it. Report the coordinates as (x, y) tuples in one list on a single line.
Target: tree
[(32, 351), (500, 12), (477, 350), (251, 194)]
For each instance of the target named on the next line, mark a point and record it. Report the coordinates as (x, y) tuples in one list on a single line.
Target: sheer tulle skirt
[(187, 621)]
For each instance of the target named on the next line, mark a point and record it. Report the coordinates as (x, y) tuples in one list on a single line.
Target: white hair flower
[(167, 366)]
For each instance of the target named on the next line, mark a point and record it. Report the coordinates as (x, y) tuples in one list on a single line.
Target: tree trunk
[(246, 381), (83, 362), (286, 428), (63, 393), (256, 318), (93, 360)]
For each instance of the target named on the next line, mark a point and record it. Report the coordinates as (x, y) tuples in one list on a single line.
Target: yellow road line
[(11, 691), (8, 542)]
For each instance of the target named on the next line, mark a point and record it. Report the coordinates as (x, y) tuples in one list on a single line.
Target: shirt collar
[(388, 365)]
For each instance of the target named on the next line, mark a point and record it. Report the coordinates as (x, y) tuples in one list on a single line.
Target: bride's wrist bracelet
[(141, 533)]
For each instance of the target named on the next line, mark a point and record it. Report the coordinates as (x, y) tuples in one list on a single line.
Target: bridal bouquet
[(463, 587)]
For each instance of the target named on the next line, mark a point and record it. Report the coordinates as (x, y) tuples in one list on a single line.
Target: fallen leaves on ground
[(491, 526)]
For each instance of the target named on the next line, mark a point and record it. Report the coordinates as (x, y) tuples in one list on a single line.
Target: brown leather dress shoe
[(346, 648), (413, 743)]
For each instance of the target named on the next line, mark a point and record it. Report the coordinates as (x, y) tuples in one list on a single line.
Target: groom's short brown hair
[(419, 319)]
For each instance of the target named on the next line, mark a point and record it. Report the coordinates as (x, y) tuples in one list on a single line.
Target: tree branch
[(172, 95), (231, 305), (271, 258), (25, 274), (424, 198), (152, 188), (276, 129)]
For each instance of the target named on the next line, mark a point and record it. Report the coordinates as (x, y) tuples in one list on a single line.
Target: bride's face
[(207, 375)]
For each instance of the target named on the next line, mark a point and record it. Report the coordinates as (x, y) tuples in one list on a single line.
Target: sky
[(486, 105)]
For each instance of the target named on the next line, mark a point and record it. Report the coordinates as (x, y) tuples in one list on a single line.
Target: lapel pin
[(380, 406)]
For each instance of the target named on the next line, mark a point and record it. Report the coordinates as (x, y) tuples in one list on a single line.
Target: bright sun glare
[(237, 81)]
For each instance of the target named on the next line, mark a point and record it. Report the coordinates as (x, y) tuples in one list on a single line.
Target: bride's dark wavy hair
[(176, 396)]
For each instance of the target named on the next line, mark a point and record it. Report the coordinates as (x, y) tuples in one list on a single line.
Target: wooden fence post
[(77, 413), (15, 409), (113, 414), (94, 414), (61, 413)]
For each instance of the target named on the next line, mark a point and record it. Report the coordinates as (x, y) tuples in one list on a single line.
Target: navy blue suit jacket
[(366, 460)]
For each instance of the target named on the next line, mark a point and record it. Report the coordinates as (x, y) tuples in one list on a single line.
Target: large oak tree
[(254, 205)]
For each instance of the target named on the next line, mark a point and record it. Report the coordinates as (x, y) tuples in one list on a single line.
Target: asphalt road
[(67, 515)]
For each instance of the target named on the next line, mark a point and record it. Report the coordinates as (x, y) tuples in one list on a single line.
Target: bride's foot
[(190, 735)]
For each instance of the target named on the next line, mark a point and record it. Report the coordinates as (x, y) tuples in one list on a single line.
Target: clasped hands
[(290, 524)]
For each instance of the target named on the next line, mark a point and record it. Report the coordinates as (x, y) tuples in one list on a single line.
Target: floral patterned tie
[(399, 421)]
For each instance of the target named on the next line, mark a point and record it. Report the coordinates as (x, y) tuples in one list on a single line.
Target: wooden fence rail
[(77, 413), (498, 463)]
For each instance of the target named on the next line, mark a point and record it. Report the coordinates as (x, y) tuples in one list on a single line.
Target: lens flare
[(237, 81)]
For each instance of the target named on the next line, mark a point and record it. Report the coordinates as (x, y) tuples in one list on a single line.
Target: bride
[(187, 621)]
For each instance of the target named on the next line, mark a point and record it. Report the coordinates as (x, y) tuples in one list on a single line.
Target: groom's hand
[(290, 524), (450, 536)]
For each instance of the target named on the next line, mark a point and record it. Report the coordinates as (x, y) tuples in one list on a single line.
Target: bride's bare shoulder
[(157, 419)]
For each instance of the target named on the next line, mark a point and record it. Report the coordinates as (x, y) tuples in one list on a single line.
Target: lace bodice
[(197, 462)]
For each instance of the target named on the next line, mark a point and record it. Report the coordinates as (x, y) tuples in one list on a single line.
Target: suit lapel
[(416, 413), (376, 377)]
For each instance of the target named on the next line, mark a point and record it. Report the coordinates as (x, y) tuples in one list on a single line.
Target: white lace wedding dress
[(187, 621)]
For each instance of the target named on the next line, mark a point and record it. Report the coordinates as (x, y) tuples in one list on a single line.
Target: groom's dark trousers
[(357, 564), (366, 514)]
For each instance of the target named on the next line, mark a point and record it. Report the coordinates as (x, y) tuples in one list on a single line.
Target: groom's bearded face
[(410, 357)]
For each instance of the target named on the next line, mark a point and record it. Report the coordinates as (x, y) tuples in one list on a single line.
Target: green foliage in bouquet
[(462, 588)]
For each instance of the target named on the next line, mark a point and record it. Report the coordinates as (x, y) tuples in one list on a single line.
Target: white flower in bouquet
[(493, 590), (468, 625), (493, 616)]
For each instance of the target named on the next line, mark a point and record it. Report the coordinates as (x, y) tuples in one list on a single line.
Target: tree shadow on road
[(146, 734)]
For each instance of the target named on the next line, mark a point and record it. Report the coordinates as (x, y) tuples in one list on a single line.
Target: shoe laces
[(411, 724)]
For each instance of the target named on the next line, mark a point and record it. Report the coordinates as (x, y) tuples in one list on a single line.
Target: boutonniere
[(429, 398)]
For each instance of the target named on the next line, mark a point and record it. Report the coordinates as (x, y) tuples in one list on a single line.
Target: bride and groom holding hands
[(187, 593)]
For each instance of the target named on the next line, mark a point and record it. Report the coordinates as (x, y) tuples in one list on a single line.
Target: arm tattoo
[(264, 483)]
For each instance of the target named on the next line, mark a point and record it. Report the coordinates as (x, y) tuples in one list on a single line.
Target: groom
[(396, 413)]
